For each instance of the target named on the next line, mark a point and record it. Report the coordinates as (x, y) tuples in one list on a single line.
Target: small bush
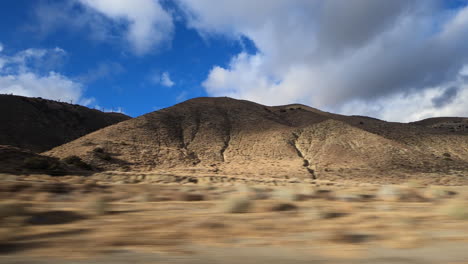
[(457, 210), (77, 161), (12, 209), (99, 206), (98, 150), (284, 207), (72, 159), (438, 192), (55, 187), (396, 193), (340, 236), (103, 156), (446, 155), (238, 203), (37, 163), (292, 194), (252, 192), (189, 197)]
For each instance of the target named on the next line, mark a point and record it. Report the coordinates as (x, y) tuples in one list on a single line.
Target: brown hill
[(38, 124), (20, 161), (235, 137)]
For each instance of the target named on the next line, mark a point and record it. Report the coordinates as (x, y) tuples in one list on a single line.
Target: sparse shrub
[(77, 161), (72, 159), (99, 206), (12, 220), (456, 209), (189, 197), (348, 197), (12, 209), (212, 224), (394, 193), (238, 203), (438, 192), (98, 150), (341, 236), (292, 194), (389, 193), (284, 207), (37, 163), (253, 193), (446, 155), (285, 194), (103, 156), (55, 187)]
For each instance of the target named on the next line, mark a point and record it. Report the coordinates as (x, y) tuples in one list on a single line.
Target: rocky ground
[(178, 219)]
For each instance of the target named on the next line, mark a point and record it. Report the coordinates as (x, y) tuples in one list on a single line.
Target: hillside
[(37, 124), (225, 136)]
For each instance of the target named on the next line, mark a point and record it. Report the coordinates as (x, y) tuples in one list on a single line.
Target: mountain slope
[(38, 124), (236, 137)]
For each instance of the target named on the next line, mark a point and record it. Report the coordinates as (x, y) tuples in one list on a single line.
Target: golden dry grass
[(151, 218)]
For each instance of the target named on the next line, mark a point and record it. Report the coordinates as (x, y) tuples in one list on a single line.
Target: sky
[(399, 60)]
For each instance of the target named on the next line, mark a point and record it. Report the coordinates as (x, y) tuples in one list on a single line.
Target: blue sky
[(131, 81), (396, 60)]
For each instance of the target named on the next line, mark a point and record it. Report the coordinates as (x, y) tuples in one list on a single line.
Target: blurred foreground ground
[(93, 220)]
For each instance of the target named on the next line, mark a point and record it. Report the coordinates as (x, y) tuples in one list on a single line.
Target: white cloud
[(52, 86), (148, 24), (1, 47), (166, 80), (163, 79), (20, 75), (355, 56)]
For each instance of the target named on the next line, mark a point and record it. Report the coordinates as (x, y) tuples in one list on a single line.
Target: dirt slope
[(38, 124), (20, 161), (236, 137)]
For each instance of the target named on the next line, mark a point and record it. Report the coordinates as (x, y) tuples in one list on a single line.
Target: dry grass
[(95, 218)]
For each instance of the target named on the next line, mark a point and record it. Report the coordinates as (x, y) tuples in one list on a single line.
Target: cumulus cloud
[(143, 25), (370, 56), (21, 74), (163, 79), (148, 24), (414, 106), (166, 80)]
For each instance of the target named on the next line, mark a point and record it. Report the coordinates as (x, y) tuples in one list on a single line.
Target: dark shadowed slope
[(38, 124)]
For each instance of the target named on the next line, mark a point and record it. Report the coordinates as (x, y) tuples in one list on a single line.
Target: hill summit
[(225, 136)]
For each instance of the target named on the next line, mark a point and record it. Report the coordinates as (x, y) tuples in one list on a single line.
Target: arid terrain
[(219, 180), (224, 136), (168, 219)]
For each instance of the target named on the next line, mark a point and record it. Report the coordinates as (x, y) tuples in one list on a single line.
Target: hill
[(38, 125), (224, 136)]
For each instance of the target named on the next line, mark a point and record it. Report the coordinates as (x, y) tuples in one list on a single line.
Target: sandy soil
[(98, 220)]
